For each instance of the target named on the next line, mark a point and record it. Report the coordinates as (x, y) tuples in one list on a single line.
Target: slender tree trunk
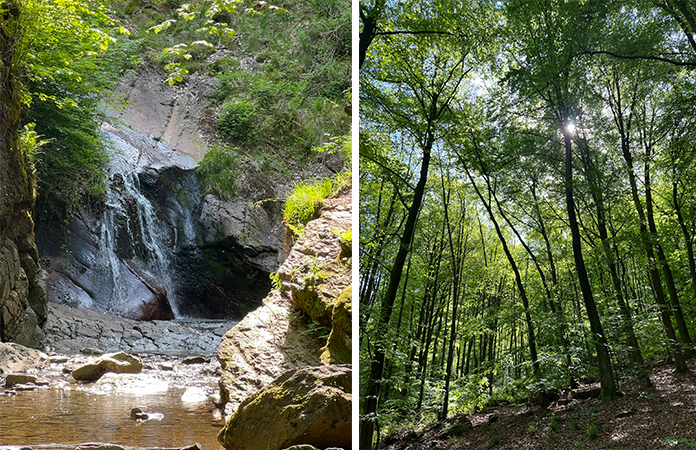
[(688, 240), (662, 260), (457, 261), (627, 321), (518, 277), (374, 384), (624, 128), (606, 376)]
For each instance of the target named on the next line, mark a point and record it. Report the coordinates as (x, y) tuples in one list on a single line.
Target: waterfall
[(135, 237)]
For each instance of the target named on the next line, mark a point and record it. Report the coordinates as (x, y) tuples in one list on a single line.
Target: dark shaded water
[(74, 416)]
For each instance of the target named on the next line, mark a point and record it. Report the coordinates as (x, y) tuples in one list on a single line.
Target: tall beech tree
[(414, 93)]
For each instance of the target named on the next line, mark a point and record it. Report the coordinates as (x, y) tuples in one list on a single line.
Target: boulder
[(138, 414), (13, 379), (264, 345), (309, 405), (194, 360), (17, 358), (115, 362)]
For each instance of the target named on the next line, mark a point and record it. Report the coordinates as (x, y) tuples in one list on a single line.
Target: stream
[(178, 401)]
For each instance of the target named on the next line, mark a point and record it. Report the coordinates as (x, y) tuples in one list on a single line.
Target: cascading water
[(134, 235), (149, 252)]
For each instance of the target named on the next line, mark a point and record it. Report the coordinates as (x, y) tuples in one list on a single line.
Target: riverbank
[(179, 384)]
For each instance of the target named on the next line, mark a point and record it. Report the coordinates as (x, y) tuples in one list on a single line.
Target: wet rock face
[(144, 257), (310, 405), (156, 249), (22, 283)]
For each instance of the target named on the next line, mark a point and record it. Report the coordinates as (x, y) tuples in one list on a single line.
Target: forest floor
[(662, 416)]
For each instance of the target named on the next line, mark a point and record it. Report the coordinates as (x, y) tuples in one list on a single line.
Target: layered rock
[(291, 328), (22, 282), (70, 330), (156, 249), (309, 405)]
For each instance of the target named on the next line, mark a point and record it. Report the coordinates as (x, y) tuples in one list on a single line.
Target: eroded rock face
[(71, 330), (310, 405), (317, 278), (275, 337), (156, 250), (265, 344), (22, 283)]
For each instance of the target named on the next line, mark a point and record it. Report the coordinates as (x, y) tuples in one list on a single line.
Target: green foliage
[(219, 171), (303, 201), (689, 444), (532, 430), (288, 93), (70, 55), (316, 330), (591, 432), (341, 144), (555, 420), (493, 441), (276, 281), (30, 143), (346, 239), (236, 121)]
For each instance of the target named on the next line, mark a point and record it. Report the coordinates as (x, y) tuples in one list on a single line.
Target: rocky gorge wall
[(22, 282), (158, 247), (304, 322)]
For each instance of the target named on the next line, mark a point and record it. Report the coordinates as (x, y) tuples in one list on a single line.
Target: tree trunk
[(627, 321), (374, 384), (662, 260), (518, 277), (687, 236), (606, 377)]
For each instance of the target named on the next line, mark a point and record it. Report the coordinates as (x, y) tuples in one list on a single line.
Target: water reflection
[(74, 416)]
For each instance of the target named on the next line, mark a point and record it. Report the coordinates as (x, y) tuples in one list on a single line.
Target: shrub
[(218, 172), (236, 121), (555, 420), (591, 432)]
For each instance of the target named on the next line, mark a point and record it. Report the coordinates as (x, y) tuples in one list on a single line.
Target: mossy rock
[(343, 310)]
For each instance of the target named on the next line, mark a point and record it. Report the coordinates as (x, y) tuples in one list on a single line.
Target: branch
[(415, 32), (648, 57)]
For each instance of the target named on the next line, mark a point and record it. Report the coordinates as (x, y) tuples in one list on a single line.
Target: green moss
[(342, 311)]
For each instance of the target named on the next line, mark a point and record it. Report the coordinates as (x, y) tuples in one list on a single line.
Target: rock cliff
[(22, 282), (157, 248), (292, 328)]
